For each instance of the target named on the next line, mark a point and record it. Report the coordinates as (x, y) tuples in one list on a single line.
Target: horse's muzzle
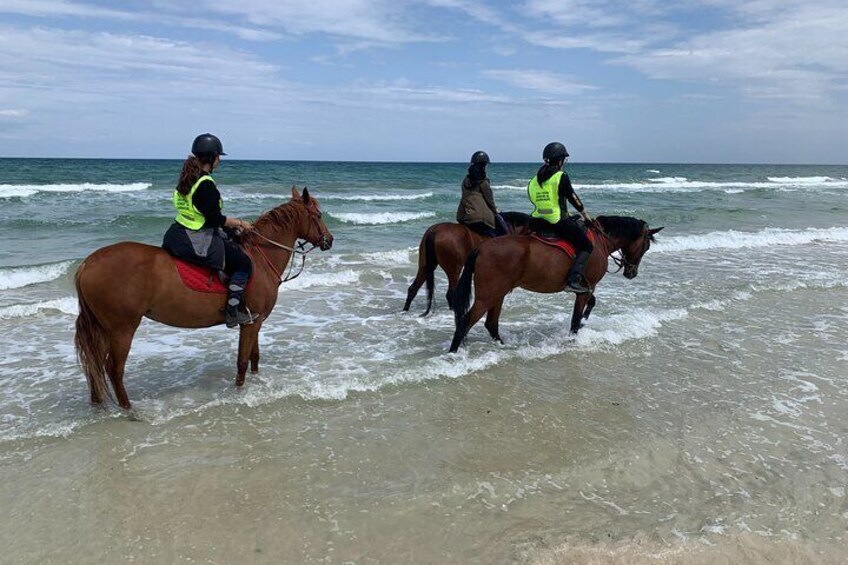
[(630, 271), (326, 242)]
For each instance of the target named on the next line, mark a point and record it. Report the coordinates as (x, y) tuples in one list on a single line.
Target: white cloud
[(539, 80), (368, 21), (55, 9), (799, 54)]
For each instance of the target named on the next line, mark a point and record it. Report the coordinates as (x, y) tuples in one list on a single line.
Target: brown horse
[(119, 284), (447, 245), (497, 267)]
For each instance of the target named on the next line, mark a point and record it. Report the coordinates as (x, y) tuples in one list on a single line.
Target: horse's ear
[(306, 196), (295, 193), (655, 230)]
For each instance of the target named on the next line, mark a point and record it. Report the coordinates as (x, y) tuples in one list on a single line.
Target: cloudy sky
[(427, 80)]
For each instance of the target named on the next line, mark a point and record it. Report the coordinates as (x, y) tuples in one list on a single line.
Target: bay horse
[(120, 284), (495, 268), (447, 245)]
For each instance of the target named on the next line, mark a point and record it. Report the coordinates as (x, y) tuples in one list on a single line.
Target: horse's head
[(632, 253), (314, 231), (632, 236)]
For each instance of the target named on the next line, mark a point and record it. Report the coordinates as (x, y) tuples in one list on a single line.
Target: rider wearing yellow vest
[(196, 235), (550, 191)]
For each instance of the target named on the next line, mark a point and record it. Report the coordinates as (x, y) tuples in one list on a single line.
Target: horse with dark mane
[(496, 267), (447, 245), (120, 284)]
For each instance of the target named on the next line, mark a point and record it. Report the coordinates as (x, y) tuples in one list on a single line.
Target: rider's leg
[(239, 266), (576, 280), (481, 228)]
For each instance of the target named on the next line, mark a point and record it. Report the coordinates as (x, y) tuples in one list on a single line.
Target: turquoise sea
[(699, 416)]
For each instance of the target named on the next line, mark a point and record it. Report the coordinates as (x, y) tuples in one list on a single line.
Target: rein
[(608, 251), (294, 251)]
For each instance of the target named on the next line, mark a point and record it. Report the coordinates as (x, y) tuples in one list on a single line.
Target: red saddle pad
[(563, 244), (199, 278)]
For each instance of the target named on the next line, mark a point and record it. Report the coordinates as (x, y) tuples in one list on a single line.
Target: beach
[(698, 417)]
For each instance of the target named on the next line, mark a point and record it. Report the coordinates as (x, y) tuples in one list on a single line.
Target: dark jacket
[(477, 204)]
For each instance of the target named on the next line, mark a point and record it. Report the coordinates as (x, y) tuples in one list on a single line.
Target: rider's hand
[(244, 225), (586, 216)]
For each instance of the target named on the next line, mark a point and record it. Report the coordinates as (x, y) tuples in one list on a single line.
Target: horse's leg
[(492, 321), (248, 338), (468, 320), (119, 348), (590, 306), (453, 279), (413, 289), (577, 315), (254, 356)]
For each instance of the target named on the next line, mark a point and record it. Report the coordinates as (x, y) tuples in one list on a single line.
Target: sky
[(656, 81)]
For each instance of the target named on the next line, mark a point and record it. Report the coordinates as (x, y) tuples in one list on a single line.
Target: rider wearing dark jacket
[(477, 208), (197, 235), (550, 191)]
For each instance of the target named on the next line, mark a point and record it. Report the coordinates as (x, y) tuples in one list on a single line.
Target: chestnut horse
[(495, 268), (119, 284), (447, 245)]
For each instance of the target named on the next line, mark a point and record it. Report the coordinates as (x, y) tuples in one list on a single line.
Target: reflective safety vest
[(187, 214), (545, 197)]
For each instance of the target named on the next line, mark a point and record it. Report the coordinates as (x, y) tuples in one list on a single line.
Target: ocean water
[(698, 417)]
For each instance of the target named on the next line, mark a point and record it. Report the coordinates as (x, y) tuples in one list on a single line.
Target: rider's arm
[(207, 200), (566, 191), (486, 191)]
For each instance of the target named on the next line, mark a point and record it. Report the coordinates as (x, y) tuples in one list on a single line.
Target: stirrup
[(239, 318), (577, 288)]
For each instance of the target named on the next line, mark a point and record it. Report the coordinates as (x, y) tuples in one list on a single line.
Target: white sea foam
[(380, 218), (309, 280), (509, 187), (390, 258), (67, 305), (24, 190), (683, 184), (377, 197), (803, 180), (18, 277), (732, 239)]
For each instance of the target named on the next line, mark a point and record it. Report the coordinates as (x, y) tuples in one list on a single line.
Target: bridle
[(299, 249), (620, 261)]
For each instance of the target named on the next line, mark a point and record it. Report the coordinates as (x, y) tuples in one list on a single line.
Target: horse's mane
[(282, 216), (622, 226)]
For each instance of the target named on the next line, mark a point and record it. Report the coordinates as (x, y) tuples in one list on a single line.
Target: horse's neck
[(285, 235), (609, 244)]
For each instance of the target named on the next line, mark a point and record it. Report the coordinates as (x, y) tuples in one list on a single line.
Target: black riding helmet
[(480, 158), (207, 145), (554, 152)]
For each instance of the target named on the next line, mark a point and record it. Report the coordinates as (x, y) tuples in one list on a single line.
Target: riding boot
[(576, 279), (236, 312)]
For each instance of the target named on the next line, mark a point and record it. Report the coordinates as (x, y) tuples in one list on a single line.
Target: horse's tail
[(92, 346), (462, 294), (430, 265)]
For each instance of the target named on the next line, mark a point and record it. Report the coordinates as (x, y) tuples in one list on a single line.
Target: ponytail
[(546, 171), (192, 170)]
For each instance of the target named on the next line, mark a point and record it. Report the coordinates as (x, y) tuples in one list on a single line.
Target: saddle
[(563, 244)]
